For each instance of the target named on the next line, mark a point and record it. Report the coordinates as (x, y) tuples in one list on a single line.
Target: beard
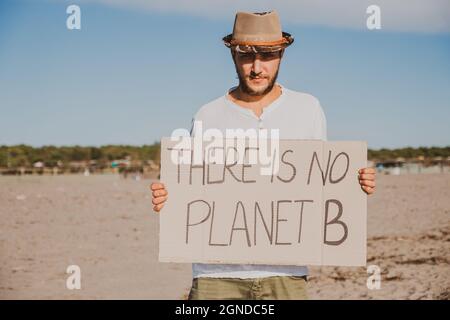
[(261, 91)]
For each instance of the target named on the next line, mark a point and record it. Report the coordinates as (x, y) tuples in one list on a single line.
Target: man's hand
[(366, 178), (159, 195)]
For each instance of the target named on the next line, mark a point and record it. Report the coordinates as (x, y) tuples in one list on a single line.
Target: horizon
[(158, 143)]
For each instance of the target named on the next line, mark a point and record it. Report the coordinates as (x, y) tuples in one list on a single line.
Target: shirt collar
[(249, 112)]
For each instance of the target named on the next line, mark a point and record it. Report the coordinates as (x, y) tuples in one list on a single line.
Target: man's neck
[(255, 103)]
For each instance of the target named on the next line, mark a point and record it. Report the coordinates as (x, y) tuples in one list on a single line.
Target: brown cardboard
[(203, 219)]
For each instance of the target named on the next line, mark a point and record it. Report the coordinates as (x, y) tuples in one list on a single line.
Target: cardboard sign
[(308, 209)]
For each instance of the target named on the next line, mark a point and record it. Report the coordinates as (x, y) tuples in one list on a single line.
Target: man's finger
[(367, 170), (368, 190), (366, 176), (367, 183), (156, 186), (158, 207), (159, 200), (159, 193)]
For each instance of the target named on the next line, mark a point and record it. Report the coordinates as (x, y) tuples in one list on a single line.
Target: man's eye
[(263, 56), (247, 56), (269, 55)]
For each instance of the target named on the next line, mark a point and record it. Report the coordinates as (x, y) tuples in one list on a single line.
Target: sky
[(137, 70)]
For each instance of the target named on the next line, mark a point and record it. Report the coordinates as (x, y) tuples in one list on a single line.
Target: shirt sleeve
[(320, 126)]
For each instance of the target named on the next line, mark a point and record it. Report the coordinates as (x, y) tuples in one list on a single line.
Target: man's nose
[(256, 67)]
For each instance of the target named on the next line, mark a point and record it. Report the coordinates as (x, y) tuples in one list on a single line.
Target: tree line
[(25, 155), (409, 153)]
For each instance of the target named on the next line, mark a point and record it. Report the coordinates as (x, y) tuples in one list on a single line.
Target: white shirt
[(297, 116)]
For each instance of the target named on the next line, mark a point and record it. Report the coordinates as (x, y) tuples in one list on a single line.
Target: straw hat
[(257, 32)]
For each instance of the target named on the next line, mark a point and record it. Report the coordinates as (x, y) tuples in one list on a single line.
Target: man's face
[(257, 72)]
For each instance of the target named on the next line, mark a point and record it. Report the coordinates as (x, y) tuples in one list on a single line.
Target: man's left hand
[(366, 177)]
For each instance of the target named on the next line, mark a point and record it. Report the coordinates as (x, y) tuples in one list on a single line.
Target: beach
[(105, 225)]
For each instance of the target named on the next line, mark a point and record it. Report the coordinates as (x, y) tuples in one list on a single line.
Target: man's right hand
[(159, 195)]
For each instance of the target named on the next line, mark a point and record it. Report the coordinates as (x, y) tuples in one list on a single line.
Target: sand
[(105, 225)]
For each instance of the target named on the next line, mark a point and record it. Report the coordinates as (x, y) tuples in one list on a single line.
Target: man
[(257, 46)]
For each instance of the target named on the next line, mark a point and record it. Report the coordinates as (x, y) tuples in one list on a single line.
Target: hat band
[(234, 42)]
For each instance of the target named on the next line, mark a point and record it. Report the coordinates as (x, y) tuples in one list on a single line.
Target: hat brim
[(285, 42)]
